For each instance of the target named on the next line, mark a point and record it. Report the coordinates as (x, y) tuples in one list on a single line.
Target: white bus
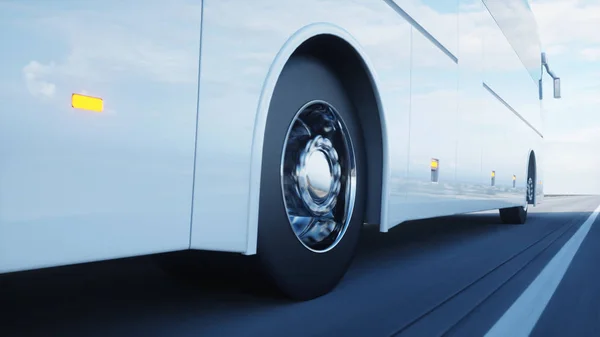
[(275, 128)]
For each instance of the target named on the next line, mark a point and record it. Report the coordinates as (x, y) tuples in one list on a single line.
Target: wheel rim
[(529, 189), (318, 176)]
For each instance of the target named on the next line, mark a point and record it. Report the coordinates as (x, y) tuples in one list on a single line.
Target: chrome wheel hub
[(318, 176)]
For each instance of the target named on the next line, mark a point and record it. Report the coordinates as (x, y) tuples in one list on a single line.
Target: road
[(453, 276)]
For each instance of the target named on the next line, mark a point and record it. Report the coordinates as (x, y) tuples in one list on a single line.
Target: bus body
[(163, 149)]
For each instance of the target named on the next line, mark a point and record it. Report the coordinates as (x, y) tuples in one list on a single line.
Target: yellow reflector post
[(493, 173), (87, 103), (435, 172)]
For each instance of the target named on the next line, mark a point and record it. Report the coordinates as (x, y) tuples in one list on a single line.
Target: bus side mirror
[(555, 78)]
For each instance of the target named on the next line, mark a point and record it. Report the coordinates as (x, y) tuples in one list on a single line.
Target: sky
[(569, 33)]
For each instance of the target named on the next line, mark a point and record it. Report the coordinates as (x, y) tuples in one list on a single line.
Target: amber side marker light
[(87, 103)]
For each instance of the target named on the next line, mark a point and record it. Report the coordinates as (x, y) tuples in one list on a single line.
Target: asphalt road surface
[(456, 276)]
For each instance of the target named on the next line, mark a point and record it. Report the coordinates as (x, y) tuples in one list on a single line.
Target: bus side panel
[(471, 99), (81, 185), (433, 133), (505, 154), (511, 95), (520, 68), (240, 42), (497, 167)]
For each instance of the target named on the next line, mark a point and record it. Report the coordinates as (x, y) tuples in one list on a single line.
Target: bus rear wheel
[(518, 215), (312, 180)]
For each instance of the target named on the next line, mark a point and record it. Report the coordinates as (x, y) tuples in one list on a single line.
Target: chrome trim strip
[(491, 91), (421, 29)]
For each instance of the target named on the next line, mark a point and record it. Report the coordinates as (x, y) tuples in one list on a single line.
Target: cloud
[(570, 168), (556, 49), (33, 74), (565, 22), (583, 135), (591, 54)]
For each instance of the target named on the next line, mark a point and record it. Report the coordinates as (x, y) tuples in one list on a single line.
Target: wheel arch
[(339, 43)]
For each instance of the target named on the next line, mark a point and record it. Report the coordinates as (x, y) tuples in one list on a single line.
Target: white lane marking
[(522, 316)]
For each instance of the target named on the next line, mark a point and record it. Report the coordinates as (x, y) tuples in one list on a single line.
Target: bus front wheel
[(312, 182)]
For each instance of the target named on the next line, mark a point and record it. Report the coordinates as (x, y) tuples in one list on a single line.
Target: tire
[(518, 215), (297, 271)]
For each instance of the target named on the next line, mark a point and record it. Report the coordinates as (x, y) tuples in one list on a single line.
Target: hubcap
[(318, 176)]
